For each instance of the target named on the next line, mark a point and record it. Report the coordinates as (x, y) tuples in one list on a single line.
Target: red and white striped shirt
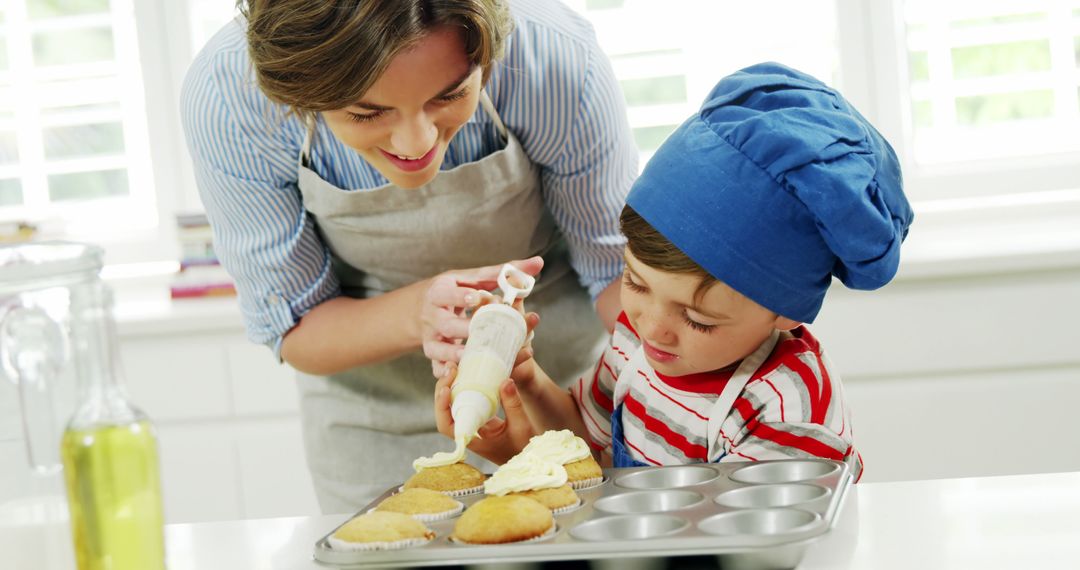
[(793, 406)]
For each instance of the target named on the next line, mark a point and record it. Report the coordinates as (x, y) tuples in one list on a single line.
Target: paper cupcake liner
[(566, 509), (586, 483), (432, 517), (547, 534), (464, 492), (344, 545), (457, 493)]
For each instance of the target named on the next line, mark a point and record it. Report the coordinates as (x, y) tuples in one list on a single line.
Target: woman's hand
[(499, 439), (443, 323)]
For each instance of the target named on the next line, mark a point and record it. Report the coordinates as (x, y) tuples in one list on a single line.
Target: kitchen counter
[(1025, 521)]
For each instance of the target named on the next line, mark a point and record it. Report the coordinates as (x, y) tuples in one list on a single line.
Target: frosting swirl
[(525, 473), (560, 447), (442, 458)]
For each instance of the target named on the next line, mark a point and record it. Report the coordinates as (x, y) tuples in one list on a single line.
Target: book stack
[(200, 274)]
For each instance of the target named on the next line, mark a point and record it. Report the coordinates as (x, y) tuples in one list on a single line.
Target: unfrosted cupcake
[(380, 531), (455, 479), (559, 499), (421, 504), (570, 451), (530, 476), (498, 520)]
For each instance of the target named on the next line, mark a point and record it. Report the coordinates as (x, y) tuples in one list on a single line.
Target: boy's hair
[(653, 249)]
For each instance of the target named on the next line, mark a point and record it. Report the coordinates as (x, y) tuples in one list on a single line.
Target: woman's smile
[(410, 164), (404, 123)]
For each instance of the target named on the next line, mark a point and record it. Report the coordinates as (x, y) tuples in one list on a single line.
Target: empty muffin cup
[(765, 496), (668, 477), (788, 471), (649, 501), (761, 522), (628, 527)]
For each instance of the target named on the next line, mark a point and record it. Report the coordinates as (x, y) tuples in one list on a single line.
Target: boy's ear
[(784, 323)]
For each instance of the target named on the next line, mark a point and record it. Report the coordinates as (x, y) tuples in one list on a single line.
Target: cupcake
[(558, 499), (570, 451), (498, 520), (421, 504), (454, 479), (584, 473), (528, 475), (380, 531)]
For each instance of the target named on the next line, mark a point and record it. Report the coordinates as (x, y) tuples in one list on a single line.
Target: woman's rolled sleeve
[(245, 170)]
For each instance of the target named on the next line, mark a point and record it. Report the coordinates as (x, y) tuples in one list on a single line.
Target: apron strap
[(488, 106), (622, 385), (722, 407), (305, 149)]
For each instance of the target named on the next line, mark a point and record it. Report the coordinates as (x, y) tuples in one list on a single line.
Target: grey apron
[(363, 427)]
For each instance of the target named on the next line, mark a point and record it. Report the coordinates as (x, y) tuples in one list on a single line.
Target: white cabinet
[(226, 414), (966, 376)]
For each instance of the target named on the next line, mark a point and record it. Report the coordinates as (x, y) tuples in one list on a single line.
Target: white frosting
[(443, 457), (560, 447), (525, 473)]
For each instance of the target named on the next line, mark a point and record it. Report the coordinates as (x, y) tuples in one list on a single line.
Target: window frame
[(875, 76), (141, 240), (872, 69)]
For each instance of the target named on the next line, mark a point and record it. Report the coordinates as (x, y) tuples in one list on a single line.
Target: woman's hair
[(653, 249), (320, 55)]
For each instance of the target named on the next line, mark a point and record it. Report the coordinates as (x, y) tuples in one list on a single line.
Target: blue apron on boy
[(620, 453)]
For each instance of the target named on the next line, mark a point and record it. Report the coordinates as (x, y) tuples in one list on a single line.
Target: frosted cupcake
[(499, 520), (535, 478), (380, 531), (421, 504), (570, 451)]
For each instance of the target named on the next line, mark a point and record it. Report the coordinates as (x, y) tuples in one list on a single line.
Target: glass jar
[(55, 323)]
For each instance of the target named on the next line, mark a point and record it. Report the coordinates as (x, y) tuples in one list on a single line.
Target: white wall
[(970, 375)]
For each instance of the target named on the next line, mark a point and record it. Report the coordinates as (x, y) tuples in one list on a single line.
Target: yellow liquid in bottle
[(114, 495)]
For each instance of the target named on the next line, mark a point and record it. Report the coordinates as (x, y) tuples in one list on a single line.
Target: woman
[(354, 156)]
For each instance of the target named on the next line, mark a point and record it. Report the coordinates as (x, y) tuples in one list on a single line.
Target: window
[(992, 79), (73, 140), (979, 98), (207, 17), (668, 55)]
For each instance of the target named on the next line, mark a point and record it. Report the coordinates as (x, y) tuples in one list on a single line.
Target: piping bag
[(497, 332)]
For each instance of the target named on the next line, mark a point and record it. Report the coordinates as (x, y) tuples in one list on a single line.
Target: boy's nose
[(656, 330), (414, 136)]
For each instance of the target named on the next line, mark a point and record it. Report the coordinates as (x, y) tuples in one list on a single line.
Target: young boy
[(735, 230)]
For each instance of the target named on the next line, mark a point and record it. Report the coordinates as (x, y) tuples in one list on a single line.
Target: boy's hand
[(499, 439)]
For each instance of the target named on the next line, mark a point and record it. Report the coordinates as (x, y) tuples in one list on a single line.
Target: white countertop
[(1026, 521)]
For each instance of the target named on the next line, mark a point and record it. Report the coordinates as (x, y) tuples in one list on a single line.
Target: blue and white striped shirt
[(554, 89)]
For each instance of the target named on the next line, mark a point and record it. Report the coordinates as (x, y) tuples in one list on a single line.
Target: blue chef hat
[(776, 185)]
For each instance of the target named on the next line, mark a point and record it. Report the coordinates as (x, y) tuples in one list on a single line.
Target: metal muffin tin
[(752, 515)]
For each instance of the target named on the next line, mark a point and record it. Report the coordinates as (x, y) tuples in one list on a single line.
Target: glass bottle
[(56, 332), (109, 453)]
